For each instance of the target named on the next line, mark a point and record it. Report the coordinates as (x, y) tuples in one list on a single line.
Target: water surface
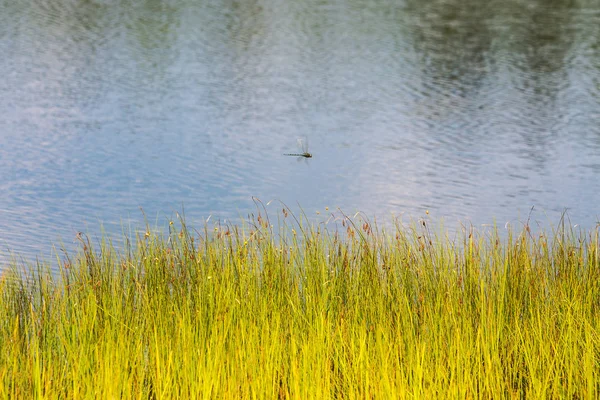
[(475, 111)]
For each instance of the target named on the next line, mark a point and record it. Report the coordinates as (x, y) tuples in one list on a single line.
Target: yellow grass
[(299, 312)]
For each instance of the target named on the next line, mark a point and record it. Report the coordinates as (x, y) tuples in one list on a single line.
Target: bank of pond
[(282, 308)]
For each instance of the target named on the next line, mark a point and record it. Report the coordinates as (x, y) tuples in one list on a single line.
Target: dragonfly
[(303, 144)]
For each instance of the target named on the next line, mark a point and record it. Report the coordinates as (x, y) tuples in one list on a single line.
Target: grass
[(302, 312)]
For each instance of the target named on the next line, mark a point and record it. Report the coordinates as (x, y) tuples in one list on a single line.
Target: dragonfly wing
[(303, 143)]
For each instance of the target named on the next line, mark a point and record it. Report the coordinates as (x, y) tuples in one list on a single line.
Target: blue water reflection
[(475, 111)]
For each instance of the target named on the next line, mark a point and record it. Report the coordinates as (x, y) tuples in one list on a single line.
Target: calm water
[(474, 110)]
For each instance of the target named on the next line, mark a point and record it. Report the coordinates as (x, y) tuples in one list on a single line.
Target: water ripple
[(467, 109)]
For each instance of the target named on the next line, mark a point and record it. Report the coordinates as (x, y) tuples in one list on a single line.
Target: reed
[(305, 312)]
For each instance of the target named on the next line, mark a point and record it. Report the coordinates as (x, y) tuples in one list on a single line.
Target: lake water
[(473, 110)]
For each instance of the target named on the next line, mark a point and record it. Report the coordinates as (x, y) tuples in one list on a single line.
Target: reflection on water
[(473, 110)]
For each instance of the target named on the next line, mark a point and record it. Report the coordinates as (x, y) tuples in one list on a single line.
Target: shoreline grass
[(301, 313)]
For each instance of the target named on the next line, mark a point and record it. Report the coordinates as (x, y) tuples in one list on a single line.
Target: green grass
[(303, 312)]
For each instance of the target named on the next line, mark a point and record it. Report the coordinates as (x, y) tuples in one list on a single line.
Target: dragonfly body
[(303, 144), (306, 155)]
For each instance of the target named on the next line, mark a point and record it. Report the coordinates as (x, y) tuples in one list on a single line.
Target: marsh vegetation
[(287, 309)]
